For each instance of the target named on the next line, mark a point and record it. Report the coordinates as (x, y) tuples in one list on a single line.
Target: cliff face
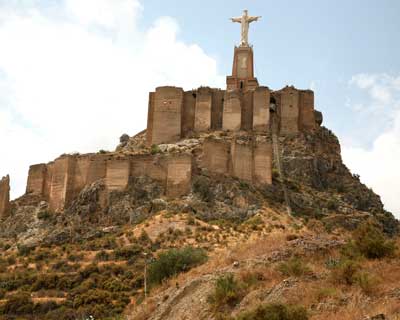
[(321, 184)]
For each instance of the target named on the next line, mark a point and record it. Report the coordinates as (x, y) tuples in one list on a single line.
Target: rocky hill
[(88, 259)]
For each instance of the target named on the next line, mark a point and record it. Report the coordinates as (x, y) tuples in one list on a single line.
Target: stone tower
[(242, 77)]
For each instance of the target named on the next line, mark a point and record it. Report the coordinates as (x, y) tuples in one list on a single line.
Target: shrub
[(102, 256), (43, 215), (24, 250), (367, 282), (345, 272), (227, 293), (275, 312), (294, 268), (155, 149), (18, 304), (371, 242), (201, 186), (128, 252), (255, 222), (175, 261)]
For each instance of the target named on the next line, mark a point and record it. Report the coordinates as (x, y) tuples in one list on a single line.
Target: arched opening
[(241, 85)]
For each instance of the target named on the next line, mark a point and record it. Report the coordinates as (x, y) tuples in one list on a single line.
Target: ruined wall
[(61, 181), (117, 174), (289, 111), (217, 108), (262, 164), (247, 111), (165, 115), (188, 112), (242, 159), (261, 101), (307, 115), (4, 197), (36, 179), (61, 185), (149, 165), (216, 155), (97, 168), (202, 121), (232, 112), (179, 175)]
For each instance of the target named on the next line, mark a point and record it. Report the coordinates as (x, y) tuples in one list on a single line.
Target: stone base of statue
[(242, 77)]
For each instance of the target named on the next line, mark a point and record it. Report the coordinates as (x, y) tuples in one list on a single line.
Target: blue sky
[(74, 74)]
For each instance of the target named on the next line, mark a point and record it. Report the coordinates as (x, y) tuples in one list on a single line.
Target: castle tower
[(242, 77)]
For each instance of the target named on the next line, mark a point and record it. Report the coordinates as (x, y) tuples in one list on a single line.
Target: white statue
[(245, 20)]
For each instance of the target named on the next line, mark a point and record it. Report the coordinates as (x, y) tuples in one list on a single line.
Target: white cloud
[(75, 77), (378, 166)]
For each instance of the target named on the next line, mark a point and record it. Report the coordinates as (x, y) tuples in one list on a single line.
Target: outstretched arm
[(236, 19), (251, 19)]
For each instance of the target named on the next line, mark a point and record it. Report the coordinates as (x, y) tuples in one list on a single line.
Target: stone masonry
[(59, 182), (4, 197), (243, 109)]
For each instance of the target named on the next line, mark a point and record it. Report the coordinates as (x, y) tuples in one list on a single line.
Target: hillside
[(89, 258)]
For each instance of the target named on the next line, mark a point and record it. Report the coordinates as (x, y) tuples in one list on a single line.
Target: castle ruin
[(248, 112)]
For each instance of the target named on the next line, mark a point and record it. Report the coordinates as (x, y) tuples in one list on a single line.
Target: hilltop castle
[(249, 113)]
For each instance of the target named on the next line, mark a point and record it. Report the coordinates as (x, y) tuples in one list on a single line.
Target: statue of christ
[(245, 20)]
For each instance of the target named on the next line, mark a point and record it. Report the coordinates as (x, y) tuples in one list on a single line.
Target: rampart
[(59, 182), (246, 157)]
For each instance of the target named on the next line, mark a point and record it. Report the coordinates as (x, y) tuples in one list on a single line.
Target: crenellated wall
[(4, 197)]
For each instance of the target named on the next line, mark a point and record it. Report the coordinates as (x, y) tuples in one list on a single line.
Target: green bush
[(155, 149), (367, 282), (275, 312), (18, 304), (102, 256), (174, 261), (43, 215), (371, 241), (201, 186), (128, 252), (345, 272), (293, 268), (24, 250), (227, 293)]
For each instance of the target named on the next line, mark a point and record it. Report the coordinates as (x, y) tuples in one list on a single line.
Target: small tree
[(371, 241)]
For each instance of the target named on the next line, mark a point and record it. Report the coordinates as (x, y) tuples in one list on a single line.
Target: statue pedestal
[(242, 71)]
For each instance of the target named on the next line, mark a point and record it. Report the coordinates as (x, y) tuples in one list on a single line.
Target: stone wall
[(232, 113), (202, 120), (216, 155), (289, 111), (307, 115), (179, 175), (262, 161), (61, 181), (165, 115), (61, 185), (217, 108), (4, 197), (243, 157), (36, 179), (247, 111), (261, 102), (188, 112), (117, 174)]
